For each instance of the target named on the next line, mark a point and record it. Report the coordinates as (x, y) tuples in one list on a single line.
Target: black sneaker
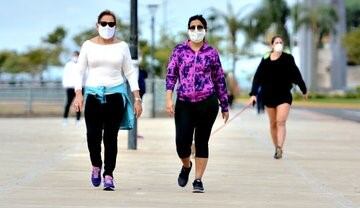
[(278, 153), (198, 186), (184, 175)]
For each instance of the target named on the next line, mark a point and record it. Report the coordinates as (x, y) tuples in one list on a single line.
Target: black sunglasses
[(111, 24), (199, 27)]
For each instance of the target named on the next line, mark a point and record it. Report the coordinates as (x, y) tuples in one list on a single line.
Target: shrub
[(351, 42)]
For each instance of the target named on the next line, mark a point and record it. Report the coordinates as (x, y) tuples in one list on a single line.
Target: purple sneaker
[(108, 183), (95, 176)]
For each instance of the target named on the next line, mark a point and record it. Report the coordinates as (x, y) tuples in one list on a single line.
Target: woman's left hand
[(225, 116), (137, 108)]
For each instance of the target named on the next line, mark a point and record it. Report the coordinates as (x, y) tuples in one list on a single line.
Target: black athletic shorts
[(272, 101)]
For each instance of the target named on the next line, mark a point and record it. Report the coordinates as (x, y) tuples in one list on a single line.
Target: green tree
[(32, 61), (37, 59), (163, 52), (321, 20), (11, 62), (4, 56), (54, 47), (268, 20), (352, 14), (233, 25), (144, 54), (56, 37), (351, 43), (214, 27)]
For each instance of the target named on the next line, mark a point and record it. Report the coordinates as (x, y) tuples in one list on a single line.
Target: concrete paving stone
[(46, 164)]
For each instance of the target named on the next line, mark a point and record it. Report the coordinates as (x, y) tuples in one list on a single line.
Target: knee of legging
[(202, 151), (110, 134), (183, 151), (94, 135)]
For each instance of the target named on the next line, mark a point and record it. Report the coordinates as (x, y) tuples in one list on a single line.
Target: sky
[(24, 22)]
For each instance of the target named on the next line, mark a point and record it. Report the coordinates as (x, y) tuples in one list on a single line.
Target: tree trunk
[(305, 44), (314, 63), (338, 66)]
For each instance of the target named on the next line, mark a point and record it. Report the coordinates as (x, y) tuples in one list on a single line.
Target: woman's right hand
[(252, 100), (170, 107), (78, 101), (306, 96)]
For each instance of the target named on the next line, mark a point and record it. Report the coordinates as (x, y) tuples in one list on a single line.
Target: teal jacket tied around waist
[(128, 120)]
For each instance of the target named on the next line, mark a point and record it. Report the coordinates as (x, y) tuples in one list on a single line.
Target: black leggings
[(198, 117), (70, 95), (103, 123)]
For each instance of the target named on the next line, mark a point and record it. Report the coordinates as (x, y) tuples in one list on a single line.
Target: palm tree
[(320, 19), (214, 26), (234, 25), (267, 20)]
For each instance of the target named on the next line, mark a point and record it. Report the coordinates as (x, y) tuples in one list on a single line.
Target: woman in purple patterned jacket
[(196, 67)]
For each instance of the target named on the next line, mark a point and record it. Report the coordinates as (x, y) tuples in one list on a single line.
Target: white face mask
[(196, 35), (278, 47), (106, 32)]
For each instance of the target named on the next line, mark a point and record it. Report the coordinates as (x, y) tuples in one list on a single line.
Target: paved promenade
[(46, 165)]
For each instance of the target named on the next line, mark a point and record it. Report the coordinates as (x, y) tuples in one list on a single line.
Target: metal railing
[(48, 98), (31, 99)]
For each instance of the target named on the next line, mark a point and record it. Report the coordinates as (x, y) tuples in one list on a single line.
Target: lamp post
[(152, 8), (132, 134)]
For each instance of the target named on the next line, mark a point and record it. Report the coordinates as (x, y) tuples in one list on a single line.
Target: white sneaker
[(65, 122), (77, 123)]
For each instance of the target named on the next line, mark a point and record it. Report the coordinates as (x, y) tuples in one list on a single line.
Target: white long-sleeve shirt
[(69, 75), (106, 65)]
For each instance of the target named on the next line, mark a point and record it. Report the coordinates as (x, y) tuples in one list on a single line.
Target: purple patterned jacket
[(200, 74)]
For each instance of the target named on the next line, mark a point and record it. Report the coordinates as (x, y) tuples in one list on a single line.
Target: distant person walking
[(196, 66), (142, 86), (108, 107), (271, 87), (68, 82), (232, 87)]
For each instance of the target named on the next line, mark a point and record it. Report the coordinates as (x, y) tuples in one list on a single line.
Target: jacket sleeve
[(218, 79), (172, 71), (257, 79), (296, 76)]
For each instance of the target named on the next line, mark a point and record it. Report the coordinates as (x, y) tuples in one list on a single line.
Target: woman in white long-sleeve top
[(108, 66)]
